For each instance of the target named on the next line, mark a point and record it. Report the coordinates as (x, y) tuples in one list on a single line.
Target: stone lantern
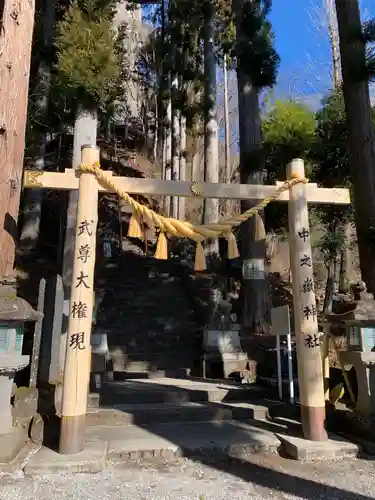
[(14, 313), (359, 328)]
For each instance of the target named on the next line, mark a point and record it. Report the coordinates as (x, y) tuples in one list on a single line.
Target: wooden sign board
[(280, 320)]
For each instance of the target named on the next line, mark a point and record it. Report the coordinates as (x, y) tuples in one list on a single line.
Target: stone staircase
[(154, 343), (147, 316), (166, 418), (165, 400), (152, 406)]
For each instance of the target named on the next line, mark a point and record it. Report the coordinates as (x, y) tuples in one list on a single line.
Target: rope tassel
[(135, 228), (200, 258), (174, 227), (162, 247), (232, 251)]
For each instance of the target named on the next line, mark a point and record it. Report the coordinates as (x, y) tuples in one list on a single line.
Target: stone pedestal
[(9, 365), (224, 345), (365, 369), (6, 419)]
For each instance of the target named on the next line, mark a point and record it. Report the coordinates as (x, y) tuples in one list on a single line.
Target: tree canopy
[(89, 55)]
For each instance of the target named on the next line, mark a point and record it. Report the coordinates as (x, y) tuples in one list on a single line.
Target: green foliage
[(331, 168), (330, 221), (331, 154), (364, 69), (288, 132), (88, 55), (183, 37), (369, 38), (331, 245), (179, 49), (225, 28), (255, 51)]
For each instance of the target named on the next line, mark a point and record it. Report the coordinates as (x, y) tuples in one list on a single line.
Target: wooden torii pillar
[(78, 350)]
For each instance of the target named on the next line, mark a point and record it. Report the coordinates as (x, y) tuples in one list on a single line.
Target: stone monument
[(222, 341)]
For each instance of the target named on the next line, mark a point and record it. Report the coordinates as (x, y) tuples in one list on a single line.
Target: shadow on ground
[(278, 473), (266, 476)]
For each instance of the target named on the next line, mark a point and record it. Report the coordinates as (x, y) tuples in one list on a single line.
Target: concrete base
[(11, 445), (90, 460), (304, 450)]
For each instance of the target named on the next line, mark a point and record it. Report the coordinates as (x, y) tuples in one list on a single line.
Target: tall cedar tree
[(38, 117), (257, 64), (89, 68), (356, 72), (16, 31)]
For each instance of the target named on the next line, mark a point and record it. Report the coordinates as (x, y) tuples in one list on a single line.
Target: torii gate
[(78, 348)]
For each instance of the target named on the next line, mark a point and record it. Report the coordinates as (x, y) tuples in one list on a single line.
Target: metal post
[(279, 372)]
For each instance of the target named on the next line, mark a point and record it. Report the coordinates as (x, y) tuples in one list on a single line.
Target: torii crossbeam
[(154, 187)]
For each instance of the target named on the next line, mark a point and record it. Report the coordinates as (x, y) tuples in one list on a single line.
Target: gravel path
[(260, 477)]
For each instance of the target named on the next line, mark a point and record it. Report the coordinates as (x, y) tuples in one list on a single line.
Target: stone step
[(158, 442), (151, 363), (156, 356), (142, 370), (152, 330), (235, 439), (145, 414), (149, 391)]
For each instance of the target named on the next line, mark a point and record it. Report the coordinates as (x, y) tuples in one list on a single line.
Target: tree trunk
[(361, 133), (211, 145), (33, 197), (227, 133), (330, 287), (175, 144), (195, 170), (158, 141), (345, 260), (162, 86), (181, 200), (329, 6), (337, 81), (168, 155), (16, 31), (254, 295)]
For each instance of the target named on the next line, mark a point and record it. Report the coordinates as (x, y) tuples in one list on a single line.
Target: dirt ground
[(261, 476)]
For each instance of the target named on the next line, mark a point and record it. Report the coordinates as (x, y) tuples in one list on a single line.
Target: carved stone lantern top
[(222, 318), (357, 319), (15, 309)]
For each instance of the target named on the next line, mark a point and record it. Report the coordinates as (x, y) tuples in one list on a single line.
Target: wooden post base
[(72, 434), (313, 423)]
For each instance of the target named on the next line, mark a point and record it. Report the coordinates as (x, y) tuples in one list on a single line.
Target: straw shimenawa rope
[(175, 227)]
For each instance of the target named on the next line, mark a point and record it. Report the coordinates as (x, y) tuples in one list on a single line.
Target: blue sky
[(304, 72), (304, 51)]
